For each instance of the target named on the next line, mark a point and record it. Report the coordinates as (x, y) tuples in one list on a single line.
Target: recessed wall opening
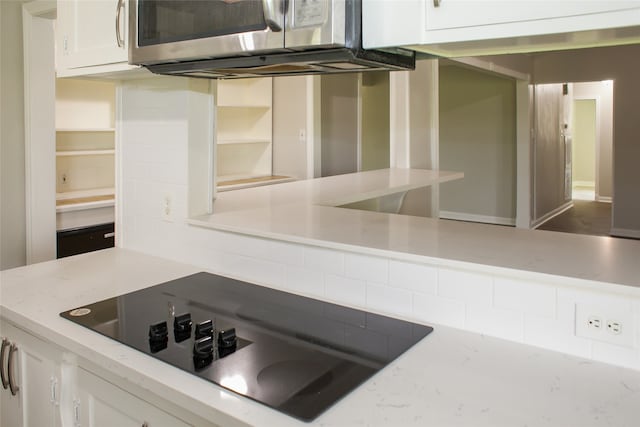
[(478, 136)]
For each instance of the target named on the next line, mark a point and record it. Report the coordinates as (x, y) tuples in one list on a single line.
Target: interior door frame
[(39, 126)]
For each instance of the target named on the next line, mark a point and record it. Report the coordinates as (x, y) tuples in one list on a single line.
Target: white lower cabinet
[(31, 380), (102, 404), (43, 385)]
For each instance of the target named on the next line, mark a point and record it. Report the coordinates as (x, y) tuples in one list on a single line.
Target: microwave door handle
[(119, 39), (271, 15)]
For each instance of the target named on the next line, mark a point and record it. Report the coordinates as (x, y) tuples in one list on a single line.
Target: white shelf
[(86, 130), (85, 205), (257, 106), (85, 199), (244, 141), (236, 182), (235, 177), (93, 192), (85, 145), (244, 132), (85, 153)]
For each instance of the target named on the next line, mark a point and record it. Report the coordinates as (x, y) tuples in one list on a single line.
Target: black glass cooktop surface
[(295, 354)]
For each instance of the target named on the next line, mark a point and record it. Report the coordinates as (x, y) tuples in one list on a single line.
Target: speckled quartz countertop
[(451, 378), (305, 212)]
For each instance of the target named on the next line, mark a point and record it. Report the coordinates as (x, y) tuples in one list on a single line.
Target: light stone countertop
[(304, 212), (451, 378), (332, 190)]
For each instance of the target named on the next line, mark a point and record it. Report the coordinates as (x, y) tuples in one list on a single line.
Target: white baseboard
[(460, 216), (605, 199), (557, 211), (622, 232), (590, 184)]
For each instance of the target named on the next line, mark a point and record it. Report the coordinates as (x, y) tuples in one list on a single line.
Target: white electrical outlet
[(167, 207), (603, 323), (614, 327), (594, 322)]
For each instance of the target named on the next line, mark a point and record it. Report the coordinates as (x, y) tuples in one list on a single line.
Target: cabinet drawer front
[(103, 404)]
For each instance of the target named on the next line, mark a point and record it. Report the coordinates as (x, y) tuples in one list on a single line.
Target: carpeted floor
[(585, 217)]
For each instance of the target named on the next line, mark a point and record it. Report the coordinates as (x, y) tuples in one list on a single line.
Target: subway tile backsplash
[(473, 288), (539, 313), (366, 268), (525, 297), (413, 277)]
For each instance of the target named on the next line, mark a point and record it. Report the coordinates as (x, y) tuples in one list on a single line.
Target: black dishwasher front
[(85, 239)]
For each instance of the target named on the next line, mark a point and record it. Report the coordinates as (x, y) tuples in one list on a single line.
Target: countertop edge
[(575, 282)]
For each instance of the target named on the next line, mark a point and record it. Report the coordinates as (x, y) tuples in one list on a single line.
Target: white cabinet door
[(443, 14), (10, 404), (484, 27), (91, 33), (101, 404), (33, 367)]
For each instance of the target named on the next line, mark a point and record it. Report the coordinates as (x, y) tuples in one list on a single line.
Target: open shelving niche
[(85, 145), (244, 133)]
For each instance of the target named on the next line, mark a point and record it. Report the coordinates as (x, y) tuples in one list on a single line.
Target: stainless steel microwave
[(243, 38)]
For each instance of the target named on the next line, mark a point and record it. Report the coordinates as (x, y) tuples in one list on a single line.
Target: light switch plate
[(168, 200)]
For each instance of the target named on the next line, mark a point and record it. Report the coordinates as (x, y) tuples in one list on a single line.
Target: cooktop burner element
[(295, 354)]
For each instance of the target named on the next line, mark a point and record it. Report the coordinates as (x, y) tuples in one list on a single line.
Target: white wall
[(339, 123), (414, 128), (290, 105), (549, 151), (155, 143), (583, 159), (621, 64), (478, 137), (12, 170), (374, 127)]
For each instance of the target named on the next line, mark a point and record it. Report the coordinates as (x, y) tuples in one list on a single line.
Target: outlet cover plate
[(168, 202), (625, 318)]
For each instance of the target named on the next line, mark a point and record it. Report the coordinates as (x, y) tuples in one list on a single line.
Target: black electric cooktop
[(295, 354)]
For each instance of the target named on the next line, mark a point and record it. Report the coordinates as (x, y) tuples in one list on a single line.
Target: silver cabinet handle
[(271, 15), (5, 344), (12, 382), (119, 7), (108, 235), (436, 3)]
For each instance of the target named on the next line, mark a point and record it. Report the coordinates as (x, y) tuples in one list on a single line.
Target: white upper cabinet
[(91, 37), (445, 14), (468, 27)]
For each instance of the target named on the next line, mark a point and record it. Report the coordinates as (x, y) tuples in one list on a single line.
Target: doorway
[(587, 134), (583, 168), (592, 127)]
